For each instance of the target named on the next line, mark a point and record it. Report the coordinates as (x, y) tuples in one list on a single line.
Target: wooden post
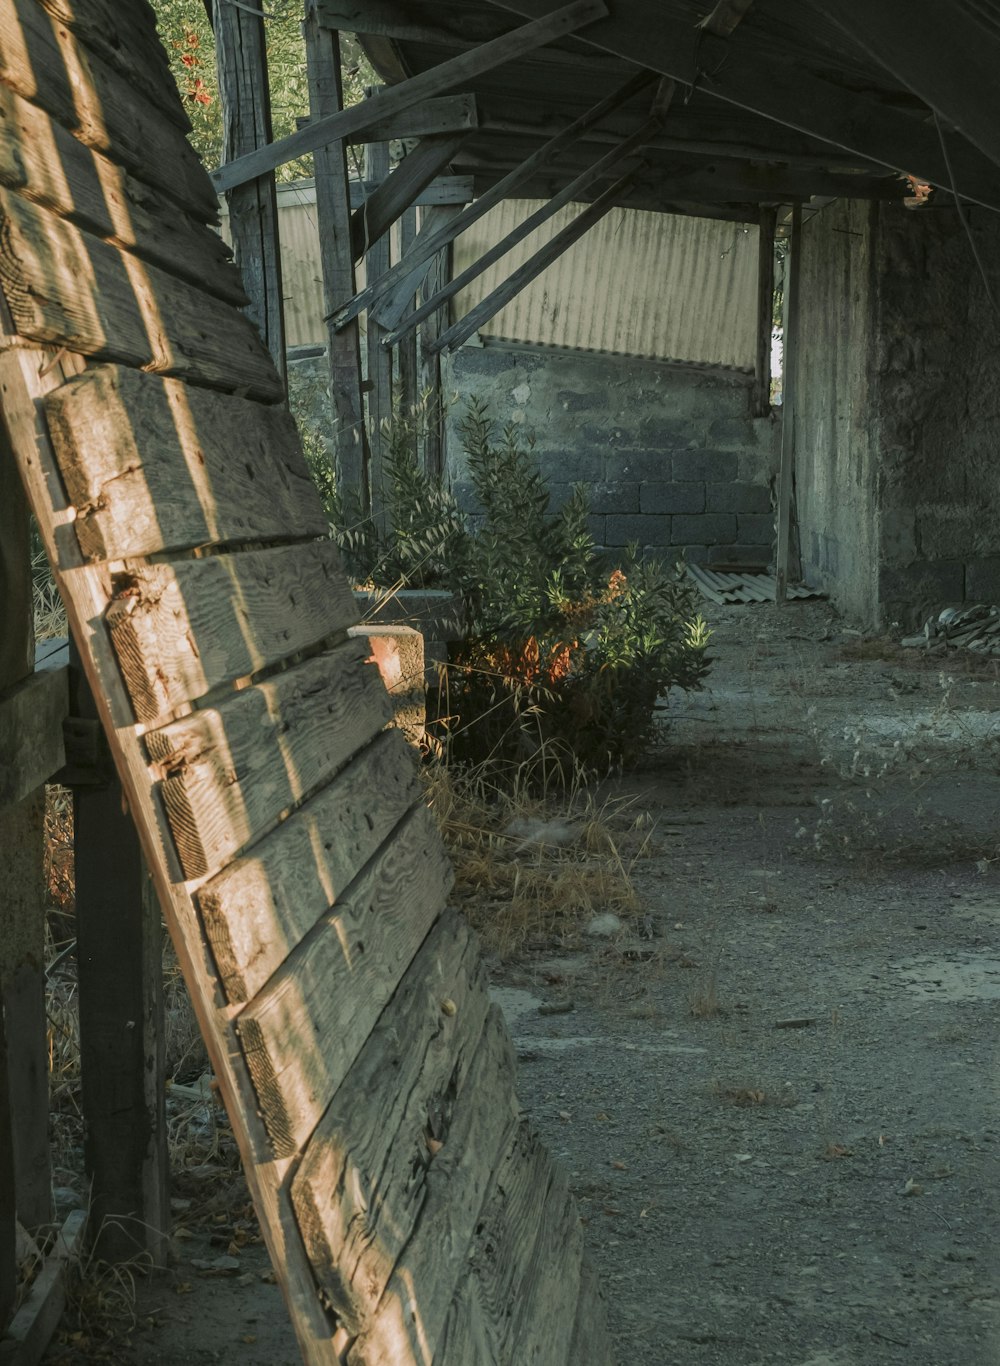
[(333, 219), (765, 312), (22, 903), (8, 1203), (245, 98), (409, 394), (379, 357), (120, 976), (430, 365), (786, 478)]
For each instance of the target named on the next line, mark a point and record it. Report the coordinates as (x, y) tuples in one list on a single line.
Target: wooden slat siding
[(155, 465), (360, 1187), (25, 376), (303, 1031), (70, 288), (591, 1344), (42, 60), (182, 629), (120, 34), (261, 905), (232, 772), (48, 165), (409, 1323)]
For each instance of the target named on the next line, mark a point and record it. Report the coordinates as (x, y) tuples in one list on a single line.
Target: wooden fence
[(411, 1215)]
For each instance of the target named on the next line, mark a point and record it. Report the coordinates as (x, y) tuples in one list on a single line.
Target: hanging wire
[(962, 218)]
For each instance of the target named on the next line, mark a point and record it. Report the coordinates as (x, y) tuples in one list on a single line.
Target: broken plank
[(30, 1331), (591, 1345), (409, 1323), (31, 735), (154, 465), (360, 1187), (394, 99), (303, 1031), (48, 165), (400, 189), (64, 285), (44, 62), (229, 773), (390, 307), (261, 905), (181, 629)]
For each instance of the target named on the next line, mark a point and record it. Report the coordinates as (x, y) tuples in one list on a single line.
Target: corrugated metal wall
[(643, 284)]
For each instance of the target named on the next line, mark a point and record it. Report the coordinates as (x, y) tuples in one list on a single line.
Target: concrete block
[(740, 554), (737, 497), (573, 402), (710, 528), (909, 593), (755, 528), (616, 496), (732, 431), (982, 579), (669, 432), (606, 435), (597, 526), (398, 653), (640, 467), (713, 466), (465, 496), (578, 466), (672, 497), (622, 530)]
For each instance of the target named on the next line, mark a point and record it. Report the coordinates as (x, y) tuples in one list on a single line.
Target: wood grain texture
[(408, 1325), (260, 906), (31, 736), (155, 465), (303, 1031), (360, 1188), (591, 1344), (41, 59), (182, 629), (231, 772), (64, 285), (44, 161)]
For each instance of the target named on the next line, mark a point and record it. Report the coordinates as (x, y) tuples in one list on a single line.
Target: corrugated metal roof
[(643, 284)]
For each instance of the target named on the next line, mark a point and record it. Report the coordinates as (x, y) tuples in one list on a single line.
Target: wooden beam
[(444, 114), (333, 221), (533, 267), (408, 386), (119, 958), (31, 735), (33, 1326), (605, 165), (430, 364), (245, 99), (786, 477), (400, 189), (394, 99), (379, 358), (388, 309), (870, 129), (946, 54), (427, 248), (765, 312)]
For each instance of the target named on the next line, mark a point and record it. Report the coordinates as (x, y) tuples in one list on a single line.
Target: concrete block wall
[(670, 457)]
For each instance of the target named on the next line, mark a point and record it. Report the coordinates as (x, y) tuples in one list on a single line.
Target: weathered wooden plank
[(303, 1031), (31, 738), (465, 1336), (245, 96), (43, 61), (261, 905), (393, 99), (389, 308), (765, 309), (182, 629), (32, 1327), (546, 1307), (229, 773), (48, 165), (408, 1325), (591, 1345), (64, 285), (8, 1195), (400, 188), (786, 473), (379, 359), (360, 1188), (155, 465)]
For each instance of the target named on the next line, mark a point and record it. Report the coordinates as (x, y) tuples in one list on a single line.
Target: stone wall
[(670, 457)]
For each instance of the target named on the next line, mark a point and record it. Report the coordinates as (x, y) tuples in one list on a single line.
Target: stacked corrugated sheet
[(744, 585), (974, 626)]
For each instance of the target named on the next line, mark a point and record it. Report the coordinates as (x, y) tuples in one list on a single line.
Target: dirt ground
[(777, 1089)]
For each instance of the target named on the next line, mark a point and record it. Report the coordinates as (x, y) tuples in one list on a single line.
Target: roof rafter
[(400, 189)]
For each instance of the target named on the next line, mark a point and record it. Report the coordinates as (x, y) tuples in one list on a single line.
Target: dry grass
[(530, 868)]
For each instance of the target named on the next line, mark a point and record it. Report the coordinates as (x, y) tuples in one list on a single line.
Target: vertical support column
[(791, 333), (379, 359), (120, 967), (333, 218), (430, 364), (409, 390), (22, 894), (765, 312), (8, 1204), (245, 98)]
